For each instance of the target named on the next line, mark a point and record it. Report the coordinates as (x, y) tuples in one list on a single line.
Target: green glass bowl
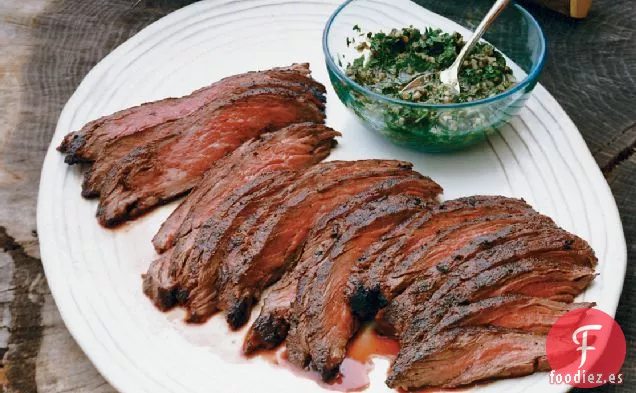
[(434, 127)]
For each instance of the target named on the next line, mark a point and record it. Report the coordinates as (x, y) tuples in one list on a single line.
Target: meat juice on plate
[(354, 370)]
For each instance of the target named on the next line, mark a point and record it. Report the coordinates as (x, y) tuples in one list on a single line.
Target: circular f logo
[(585, 348)]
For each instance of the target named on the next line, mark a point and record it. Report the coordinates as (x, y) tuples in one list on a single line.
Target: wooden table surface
[(46, 48)]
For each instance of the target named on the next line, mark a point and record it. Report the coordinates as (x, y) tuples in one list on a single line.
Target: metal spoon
[(449, 75)]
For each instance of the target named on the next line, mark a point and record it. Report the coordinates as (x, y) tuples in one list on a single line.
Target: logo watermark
[(586, 348)]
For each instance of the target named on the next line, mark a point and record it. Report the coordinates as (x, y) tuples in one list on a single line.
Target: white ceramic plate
[(94, 274)]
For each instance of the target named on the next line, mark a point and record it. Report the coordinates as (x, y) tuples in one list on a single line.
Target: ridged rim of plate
[(573, 180)]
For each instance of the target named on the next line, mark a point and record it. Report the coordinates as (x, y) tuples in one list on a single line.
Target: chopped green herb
[(389, 61), (401, 55)]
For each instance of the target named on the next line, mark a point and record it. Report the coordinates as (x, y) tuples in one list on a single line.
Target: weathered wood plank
[(622, 180), (617, 150), (26, 326), (61, 365), (47, 49), (572, 8), (18, 183), (591, 68)]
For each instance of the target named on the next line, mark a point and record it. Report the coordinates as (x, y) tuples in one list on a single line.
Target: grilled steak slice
[(448, 359), (531, 277), (86, 144), (124, 145), (161, 283), (448, 244), (538, 265), (225, 195), (527, 313), (322, 322), (268, 243), (166, 169), (364, 290), (157, 283), (190, 269), (442, 246), (276, 244), (194, 265), (520, 252), (553, 244), (295, 147), (272, 324)]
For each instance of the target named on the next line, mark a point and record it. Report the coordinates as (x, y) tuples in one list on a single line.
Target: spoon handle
[(481, 29)]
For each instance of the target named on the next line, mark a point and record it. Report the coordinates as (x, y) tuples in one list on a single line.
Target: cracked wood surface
[(48, 46)]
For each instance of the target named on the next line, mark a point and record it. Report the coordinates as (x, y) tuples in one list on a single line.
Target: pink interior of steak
[(159, 173), (123, 145), (534, 314), (275, 244), (321, 313), (229, 191), (200, 252), (295, 147), (272, 324), (86, 144), (365, 291), (449, 359), (195, 282)]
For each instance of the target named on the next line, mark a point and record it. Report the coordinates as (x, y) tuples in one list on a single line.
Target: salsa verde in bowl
[(371, 55)]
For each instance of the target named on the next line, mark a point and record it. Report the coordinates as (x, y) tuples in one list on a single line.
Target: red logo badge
[(586, 348)]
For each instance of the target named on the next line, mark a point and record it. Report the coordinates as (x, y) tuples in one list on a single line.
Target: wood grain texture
[(617, 150), (571, 8), (49, 45), (622, 180), (591, 68)]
